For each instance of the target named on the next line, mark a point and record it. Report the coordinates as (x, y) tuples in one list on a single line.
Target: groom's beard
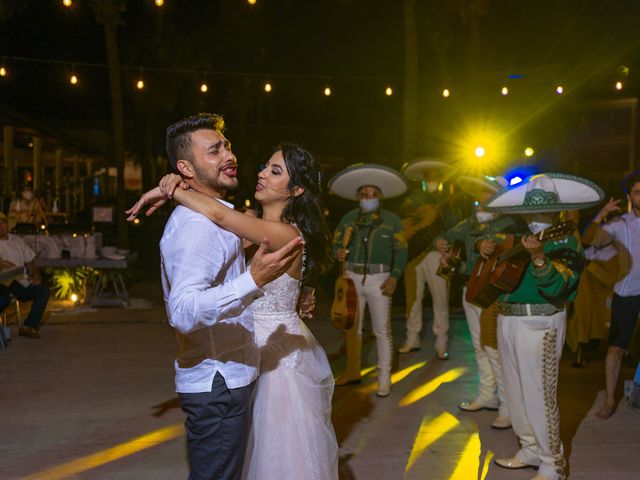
[(217, 180)]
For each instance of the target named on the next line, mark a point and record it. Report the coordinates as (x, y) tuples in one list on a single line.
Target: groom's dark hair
[(178, 144)]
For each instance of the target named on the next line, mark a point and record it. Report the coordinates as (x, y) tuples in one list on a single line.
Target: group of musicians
[(520, 264)]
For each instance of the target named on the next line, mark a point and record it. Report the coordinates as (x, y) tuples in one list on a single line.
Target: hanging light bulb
[(446, 93), (618, 85), (327, 91), (251, 2), (267, 87), (559, 90), (140, 84), (67, 3), (204, 88), (504, 91), (388, 91), (3, 72), (73, 79), (159, 3)]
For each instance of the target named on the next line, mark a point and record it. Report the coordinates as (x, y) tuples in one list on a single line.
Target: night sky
[(355, 46)]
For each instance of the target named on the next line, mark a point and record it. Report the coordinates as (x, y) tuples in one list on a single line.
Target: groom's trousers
[(217, 428)]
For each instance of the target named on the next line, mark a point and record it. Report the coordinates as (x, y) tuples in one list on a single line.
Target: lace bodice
[(281, 296)]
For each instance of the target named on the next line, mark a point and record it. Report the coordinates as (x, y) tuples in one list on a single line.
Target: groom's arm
[(199, 295)]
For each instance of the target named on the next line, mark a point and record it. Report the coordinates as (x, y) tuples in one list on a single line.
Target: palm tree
[(109, 14), (410, 107)]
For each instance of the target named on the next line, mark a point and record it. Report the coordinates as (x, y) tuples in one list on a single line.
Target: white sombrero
[(347, 182), (475, 186), (547, 192), (417, 169)]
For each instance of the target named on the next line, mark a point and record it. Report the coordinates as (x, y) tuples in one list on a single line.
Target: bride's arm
[(245, 226)]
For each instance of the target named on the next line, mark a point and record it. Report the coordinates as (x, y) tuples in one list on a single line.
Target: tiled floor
[(94, 399)]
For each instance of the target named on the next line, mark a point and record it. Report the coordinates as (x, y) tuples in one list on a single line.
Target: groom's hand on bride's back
[(267, 266)]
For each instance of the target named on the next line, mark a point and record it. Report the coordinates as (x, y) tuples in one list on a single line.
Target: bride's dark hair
[(304, 210)]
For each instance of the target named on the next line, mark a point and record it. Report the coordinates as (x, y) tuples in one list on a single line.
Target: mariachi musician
[(479, 233), (428, 211), (375, 259), (531, 320)]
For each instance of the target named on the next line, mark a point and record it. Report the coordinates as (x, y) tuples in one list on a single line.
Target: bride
[(292, 436)]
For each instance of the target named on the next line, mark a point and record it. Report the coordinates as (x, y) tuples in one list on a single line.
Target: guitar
[(344, 308), (503, 271), (454, 261), (421, 227)]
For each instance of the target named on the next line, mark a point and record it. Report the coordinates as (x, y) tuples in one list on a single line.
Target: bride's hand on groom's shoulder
[(154, 198)]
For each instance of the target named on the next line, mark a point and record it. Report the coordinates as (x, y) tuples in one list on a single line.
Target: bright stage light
[(479, 152)]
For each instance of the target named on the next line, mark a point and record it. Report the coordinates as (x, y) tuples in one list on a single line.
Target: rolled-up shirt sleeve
[(196, 260)]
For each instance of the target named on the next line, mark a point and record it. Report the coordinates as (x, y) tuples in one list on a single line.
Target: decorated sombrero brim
[(346, 183), (476, 186), (547, 192), (420, 167)]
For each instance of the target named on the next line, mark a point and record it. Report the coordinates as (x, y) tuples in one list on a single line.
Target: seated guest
[(27, 208), (14, 252)]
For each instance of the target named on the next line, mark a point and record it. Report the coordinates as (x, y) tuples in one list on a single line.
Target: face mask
[(431, 186), (369, 205), (538, 222), (537, 227), (484, 217), (28, 195)]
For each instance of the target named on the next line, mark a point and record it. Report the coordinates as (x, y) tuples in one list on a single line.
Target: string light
[(73, 79), (267, 87), (140, 84), (251, 2), (3, 72), (618, 85), (504, 91), (204, 88), (388, 91), (327, 91), (446, 93), (529, 151), (559, 90), (159, 3), (67, 3)]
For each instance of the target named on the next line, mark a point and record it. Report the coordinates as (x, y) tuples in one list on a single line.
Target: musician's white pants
[(439, 288), (487, 380), (379, 305), (530, 350)]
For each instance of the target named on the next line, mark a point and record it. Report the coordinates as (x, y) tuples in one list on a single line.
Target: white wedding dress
[(291, 436)]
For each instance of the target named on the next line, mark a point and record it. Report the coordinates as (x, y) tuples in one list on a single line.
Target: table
[(109, 277)]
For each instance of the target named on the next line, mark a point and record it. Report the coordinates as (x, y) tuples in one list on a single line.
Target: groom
[(207, 292)]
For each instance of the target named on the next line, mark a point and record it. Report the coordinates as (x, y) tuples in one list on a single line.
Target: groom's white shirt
[(207, 292)]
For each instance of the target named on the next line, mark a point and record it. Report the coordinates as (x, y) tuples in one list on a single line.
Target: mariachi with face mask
[(370, 239)]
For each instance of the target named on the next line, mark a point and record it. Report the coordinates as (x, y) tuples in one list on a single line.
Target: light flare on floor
[(396, 377), (485, 466), (74, 467), (429, 433), (431, 386), (469, 462)]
